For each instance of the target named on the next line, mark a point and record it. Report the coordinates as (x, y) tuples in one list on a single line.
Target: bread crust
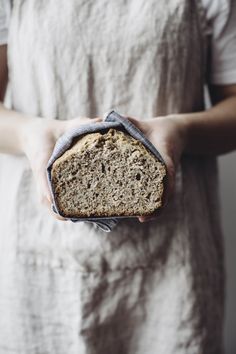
[(86, 178)]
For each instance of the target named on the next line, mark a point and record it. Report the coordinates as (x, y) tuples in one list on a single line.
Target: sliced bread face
[(109, 174)]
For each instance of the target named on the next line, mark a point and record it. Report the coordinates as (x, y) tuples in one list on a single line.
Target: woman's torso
[(143, 59)]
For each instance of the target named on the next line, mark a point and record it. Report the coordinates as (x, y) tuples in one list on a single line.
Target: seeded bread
[(107, 174)]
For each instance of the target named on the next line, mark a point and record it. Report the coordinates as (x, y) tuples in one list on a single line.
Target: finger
[(155, 215), (135, 121), (76, 122), (140, 124), (169, 181), (41, 176), (146, 218), (39, 164), (47, 204), (87, 119)]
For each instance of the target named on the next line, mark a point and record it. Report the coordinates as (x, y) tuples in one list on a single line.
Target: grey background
[(227, 167)]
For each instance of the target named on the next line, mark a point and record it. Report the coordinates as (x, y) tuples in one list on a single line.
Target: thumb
[(169, 179)]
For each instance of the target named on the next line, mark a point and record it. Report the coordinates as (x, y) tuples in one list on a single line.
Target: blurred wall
[(227, 165)]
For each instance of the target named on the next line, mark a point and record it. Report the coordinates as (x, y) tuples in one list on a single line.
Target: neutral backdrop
[(227, 167)]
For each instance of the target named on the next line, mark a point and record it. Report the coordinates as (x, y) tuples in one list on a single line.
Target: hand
[(168, 135), (38, 137)]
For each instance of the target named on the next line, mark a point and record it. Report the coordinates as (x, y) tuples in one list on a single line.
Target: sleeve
[(221, 15), (4, 18)]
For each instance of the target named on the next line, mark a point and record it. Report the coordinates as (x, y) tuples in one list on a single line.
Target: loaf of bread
[(107, 174)]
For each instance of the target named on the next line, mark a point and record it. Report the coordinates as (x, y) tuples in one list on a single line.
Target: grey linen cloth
[(111, 119)]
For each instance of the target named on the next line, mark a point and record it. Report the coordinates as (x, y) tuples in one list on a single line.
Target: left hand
[(37, 138), (168, 135)]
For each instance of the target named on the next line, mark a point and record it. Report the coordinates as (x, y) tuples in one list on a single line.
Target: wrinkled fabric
[(155, 287), (110, 120)]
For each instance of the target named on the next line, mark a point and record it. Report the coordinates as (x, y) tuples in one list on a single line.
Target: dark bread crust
[(105, 175)]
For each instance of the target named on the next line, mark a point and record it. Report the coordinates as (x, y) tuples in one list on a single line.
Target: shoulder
[(217, 13), (221, 17), (216, 7), (4, 19)]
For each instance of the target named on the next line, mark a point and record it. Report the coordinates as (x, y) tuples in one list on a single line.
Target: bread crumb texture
[(107, 174)]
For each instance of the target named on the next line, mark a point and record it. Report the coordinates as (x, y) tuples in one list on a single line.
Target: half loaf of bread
[(107, 174)]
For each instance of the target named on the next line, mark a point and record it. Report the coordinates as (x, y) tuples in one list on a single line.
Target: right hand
[(38, 137)]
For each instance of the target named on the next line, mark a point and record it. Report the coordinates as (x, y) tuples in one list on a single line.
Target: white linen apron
[(144, 288)]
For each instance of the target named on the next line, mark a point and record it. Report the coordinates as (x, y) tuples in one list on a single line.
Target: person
[(153, 284)]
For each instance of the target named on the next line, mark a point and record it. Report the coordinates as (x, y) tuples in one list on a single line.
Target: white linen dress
[(144, 288)]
